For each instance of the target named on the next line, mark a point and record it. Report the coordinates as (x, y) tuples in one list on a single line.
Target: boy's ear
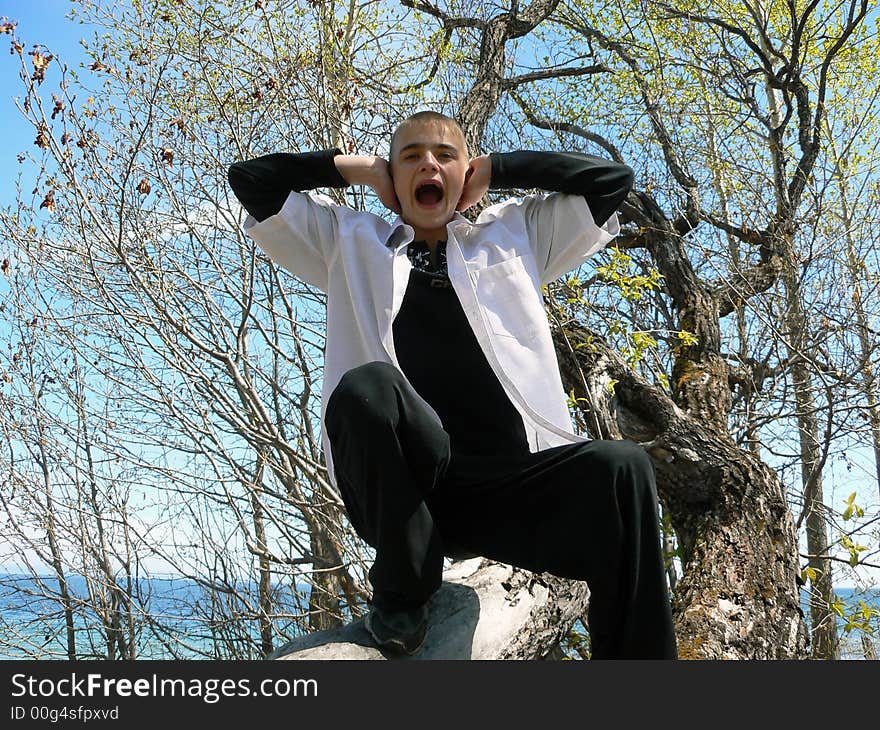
[(467, 175)]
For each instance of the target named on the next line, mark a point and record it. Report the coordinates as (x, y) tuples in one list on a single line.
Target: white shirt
[(496, 266)]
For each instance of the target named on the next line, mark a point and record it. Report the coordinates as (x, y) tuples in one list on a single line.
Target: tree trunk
[(824, 624), (738, 597), (823, 621), (264, 570), (336, 41), (324, 603), (867, 346)]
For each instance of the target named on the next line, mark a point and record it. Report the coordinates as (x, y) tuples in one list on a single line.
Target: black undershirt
[(441, 358)]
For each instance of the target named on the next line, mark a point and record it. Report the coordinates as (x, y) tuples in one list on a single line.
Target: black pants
[(586, 511)]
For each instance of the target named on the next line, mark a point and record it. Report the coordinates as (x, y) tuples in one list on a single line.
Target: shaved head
[(427, 117)]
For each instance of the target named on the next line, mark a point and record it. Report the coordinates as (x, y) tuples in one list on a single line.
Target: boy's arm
[(297, 231), (263, 184), (562, 230), (604, 184)]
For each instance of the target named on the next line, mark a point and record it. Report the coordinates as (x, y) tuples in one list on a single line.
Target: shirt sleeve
[(578, 217), (263, 184), (297, 231)]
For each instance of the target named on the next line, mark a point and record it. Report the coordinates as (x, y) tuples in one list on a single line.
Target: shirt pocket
[(510, 304)]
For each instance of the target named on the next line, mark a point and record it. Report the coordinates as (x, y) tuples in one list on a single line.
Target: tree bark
[(263, 567), (823, 620)]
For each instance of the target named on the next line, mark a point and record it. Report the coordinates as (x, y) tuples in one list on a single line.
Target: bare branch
[(515, 81), (557, 126), (449, 21)]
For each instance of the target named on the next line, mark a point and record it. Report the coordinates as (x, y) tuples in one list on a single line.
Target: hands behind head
[(372, 171), (383, 186), (476, 182)]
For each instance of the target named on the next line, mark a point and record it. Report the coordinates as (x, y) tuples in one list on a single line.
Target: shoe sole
[(393, 645)]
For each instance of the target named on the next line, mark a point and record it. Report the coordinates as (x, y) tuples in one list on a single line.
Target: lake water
[(187, 619), (28, 618)]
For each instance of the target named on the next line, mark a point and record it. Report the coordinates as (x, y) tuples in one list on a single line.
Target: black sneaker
[(398, 631)]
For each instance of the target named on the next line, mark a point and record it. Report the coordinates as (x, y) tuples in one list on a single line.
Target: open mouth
[(429, 193)]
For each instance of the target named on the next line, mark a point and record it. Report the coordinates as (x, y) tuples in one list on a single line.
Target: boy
[(445, 424)]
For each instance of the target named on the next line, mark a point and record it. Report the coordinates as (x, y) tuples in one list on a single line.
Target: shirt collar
[(401, 232)]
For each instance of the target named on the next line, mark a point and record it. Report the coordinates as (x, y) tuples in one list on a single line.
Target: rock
[(483, 610)]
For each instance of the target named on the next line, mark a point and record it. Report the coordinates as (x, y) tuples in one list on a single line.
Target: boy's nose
[(429, 162)]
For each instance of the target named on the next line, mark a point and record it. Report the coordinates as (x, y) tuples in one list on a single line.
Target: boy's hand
[(383, 185), (476, 182), (371, 171)]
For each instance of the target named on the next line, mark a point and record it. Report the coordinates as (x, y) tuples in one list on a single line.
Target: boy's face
[(429, 166)]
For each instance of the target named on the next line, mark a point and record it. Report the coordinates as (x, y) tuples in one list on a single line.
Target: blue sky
[(39, 21)]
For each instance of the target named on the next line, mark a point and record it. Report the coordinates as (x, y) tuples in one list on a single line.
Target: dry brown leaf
[(42, 140), (41, 63), (49, 201)]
